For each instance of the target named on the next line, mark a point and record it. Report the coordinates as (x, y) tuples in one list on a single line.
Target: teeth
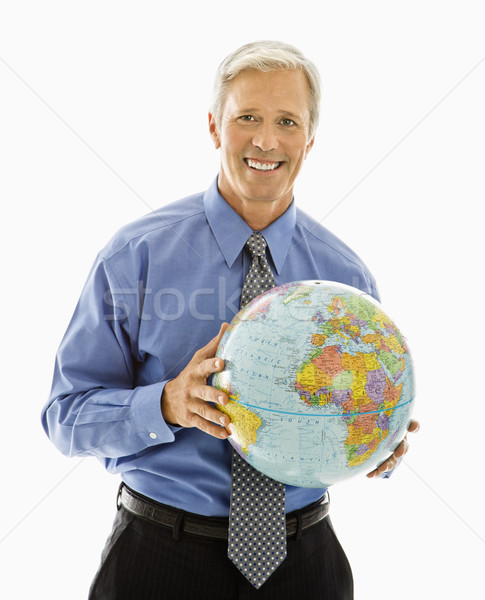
[(261, 166)]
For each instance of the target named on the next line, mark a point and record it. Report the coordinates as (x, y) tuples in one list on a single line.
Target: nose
[(265, 137)]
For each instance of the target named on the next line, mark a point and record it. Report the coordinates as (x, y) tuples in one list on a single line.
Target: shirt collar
[(232, 232)]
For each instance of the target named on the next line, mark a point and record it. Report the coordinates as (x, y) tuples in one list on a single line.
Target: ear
[(309, 146), (214, 133)]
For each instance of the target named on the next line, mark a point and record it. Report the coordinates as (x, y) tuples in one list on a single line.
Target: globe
[(320, 383)]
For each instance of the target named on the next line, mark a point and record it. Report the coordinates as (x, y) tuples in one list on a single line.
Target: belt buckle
[(118, 497)]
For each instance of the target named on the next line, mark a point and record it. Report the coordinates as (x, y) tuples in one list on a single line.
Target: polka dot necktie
[(257, 526)]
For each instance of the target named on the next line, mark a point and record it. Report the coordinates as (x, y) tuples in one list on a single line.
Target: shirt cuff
[(147, 416)]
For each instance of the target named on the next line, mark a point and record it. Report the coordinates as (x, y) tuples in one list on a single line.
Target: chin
[(265, 193)]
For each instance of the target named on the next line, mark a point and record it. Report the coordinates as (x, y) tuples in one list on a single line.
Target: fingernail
[(222, 420), (220, 400), (217, 364)]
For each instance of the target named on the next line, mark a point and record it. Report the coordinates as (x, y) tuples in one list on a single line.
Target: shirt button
[(153, 435)]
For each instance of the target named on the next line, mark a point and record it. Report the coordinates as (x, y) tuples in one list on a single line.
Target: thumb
[(210, 349)]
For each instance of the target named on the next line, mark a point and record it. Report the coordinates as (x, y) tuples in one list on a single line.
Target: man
[(131, 379)]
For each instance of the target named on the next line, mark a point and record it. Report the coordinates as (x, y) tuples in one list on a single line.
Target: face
[(263, 137)]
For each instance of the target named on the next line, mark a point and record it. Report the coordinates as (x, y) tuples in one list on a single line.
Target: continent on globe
[(320, 380), (356, 382), (302, 291), (245, 434)]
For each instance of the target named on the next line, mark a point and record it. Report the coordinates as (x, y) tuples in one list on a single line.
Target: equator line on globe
[(320, 381)]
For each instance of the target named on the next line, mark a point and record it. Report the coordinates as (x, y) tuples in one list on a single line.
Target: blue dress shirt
[(158, 292)]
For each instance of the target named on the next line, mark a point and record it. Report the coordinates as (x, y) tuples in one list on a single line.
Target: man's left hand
[(398, 453)]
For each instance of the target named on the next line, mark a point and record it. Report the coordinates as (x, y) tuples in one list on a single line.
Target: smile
[(262, 166)]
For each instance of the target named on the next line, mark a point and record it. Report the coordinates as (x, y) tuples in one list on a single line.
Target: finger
[(387, 465), (414, 426), (209, 366), (211, 421), (401, 450), (209, 413), (210, 428), (381, 469), (211, 394), (398, 453), (372, 474)]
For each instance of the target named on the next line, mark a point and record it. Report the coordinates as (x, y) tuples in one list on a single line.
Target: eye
[(288, 122), (246, 118)]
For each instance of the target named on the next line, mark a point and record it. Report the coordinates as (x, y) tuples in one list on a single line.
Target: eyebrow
[(282, 111), (292, 115)]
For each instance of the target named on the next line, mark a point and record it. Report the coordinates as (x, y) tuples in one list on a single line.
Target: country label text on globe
[(320, 381)]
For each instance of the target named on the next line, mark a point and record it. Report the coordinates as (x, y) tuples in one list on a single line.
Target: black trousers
[(143, 561)]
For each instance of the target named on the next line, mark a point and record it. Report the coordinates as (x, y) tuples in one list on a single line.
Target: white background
[(103, 117)]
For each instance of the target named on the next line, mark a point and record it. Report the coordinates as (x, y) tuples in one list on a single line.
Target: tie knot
[(256, 244)]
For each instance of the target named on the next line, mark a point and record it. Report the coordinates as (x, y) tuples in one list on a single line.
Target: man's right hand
[(186, 399)]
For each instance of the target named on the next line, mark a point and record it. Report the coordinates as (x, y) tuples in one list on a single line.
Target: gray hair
[(266, 56)]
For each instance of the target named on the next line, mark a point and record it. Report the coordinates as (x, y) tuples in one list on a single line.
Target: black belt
[(211, 527)]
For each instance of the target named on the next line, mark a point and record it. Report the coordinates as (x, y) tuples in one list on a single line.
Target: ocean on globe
[(320, 381)]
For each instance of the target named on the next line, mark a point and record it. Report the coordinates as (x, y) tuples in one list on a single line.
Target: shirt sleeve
[(94, 407)]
